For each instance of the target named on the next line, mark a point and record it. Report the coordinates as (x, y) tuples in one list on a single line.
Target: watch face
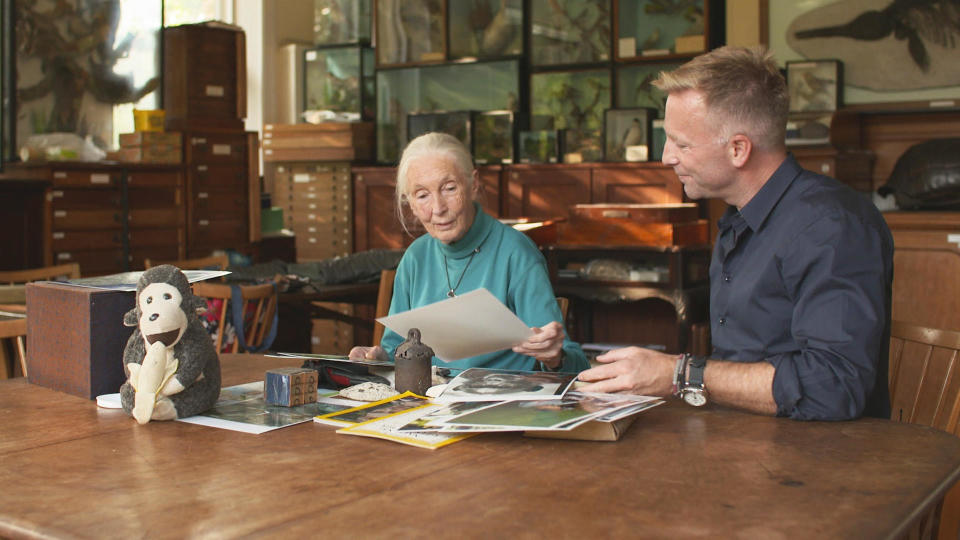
[(695, 397)]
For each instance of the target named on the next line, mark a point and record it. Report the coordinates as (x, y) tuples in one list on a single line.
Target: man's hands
[(633, 370)]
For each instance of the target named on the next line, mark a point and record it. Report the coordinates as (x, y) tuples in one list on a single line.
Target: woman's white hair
[(432, 144)]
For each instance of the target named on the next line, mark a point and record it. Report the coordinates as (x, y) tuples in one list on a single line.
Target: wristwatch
[(694, 392)]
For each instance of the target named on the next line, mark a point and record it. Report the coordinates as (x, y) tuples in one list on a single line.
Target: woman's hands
[(545, 345), (369, 353)]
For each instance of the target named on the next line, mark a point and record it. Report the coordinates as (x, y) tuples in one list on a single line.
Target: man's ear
[(738, 149)]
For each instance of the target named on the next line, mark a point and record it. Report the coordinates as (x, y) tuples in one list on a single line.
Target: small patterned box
[(290, 386)]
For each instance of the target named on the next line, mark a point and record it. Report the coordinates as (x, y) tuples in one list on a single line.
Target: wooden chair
[(213, 262), (16, 328), (12, 277), (261, 300), (925, 389), (384, 296)]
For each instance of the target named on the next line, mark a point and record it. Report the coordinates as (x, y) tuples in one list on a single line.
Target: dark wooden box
[(76, 337), (204, 77)]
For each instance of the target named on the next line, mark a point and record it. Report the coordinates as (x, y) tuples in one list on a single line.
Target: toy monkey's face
[(161, 317)]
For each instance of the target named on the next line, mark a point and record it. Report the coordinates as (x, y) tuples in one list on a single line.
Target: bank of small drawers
[(218, 199), (106, 228), (317, 203)]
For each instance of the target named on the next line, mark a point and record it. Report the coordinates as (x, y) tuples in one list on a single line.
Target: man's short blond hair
[(743, 89)]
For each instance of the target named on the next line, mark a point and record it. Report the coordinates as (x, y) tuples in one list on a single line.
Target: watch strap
[(695, 375)]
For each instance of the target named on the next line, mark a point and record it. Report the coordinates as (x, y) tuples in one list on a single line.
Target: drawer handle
[(615, 214)]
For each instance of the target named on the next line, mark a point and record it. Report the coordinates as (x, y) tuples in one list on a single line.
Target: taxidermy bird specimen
[(915, 21)]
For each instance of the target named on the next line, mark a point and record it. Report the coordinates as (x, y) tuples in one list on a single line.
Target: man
[(802, 266)]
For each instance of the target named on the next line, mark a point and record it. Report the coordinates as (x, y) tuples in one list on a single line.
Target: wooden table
[(68, 468)]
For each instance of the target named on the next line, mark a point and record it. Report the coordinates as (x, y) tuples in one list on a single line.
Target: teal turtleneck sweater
[(509, 265)]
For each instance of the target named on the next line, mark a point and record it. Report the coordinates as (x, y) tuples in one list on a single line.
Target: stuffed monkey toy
[(172, 366)]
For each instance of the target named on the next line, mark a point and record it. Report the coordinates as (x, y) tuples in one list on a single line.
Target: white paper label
[(58, 236), (59, 174), (310, 56), (60, 213), (64, 256), (627, 47), (301, 178), (99, 178), (221, 149), (202, 195), (203, 223), (954, 239), (214, 91), (57, 194), (202, 168)]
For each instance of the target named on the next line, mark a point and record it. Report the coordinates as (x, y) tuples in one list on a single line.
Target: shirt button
[(722, 321), (726, 277)]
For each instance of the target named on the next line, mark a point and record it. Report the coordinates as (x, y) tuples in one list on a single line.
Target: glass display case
[(410, 31), (576, 101), (655, 28), (539, 146), (635, 85), (337, 22), (456, 123), (494, 135), (627, 134), (569, 31), (340, 79), (486, 29), (487, 86)]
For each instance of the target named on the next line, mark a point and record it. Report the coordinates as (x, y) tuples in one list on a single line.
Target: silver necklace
[(451, 292)]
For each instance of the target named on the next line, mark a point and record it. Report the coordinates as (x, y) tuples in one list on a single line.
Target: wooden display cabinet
[(109, 216), (926, 264), (375, 221), (223, 189)]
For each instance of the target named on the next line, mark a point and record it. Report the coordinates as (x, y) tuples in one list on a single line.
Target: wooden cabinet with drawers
[(514, 191), (222, 190), (317, 203), (204, 77), (109, 216)]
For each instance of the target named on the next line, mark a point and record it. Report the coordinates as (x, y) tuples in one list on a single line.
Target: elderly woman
[(466, 249)]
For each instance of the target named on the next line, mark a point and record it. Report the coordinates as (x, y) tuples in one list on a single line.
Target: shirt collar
[(762, 204), (478, 232)]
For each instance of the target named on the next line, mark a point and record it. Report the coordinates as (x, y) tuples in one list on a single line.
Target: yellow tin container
[(148, 120)]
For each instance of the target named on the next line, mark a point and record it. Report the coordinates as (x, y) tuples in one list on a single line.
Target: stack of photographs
[(484, 400)]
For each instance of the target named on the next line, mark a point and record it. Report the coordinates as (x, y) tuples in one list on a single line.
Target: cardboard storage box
[(76, 337)]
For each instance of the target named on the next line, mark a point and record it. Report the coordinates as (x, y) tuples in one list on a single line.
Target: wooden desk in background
[(70, 469)]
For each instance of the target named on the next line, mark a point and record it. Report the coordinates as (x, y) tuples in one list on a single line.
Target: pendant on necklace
[(450, 294)]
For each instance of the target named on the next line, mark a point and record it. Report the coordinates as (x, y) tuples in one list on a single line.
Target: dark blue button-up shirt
[(801, 278)]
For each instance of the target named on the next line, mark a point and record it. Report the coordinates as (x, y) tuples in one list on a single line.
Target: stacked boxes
[(151, 147), (329, 141), (289, 387)]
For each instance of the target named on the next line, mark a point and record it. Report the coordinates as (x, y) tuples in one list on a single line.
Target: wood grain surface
[(69, 469)]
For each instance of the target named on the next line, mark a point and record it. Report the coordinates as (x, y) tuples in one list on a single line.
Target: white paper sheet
[(467, 325)]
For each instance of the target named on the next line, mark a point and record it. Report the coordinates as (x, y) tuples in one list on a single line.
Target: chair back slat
[(925, 376), (213, 262), (261, 299), (68, 271)]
